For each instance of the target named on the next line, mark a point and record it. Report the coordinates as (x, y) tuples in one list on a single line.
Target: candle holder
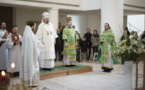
[(5, 83), (4, 80)]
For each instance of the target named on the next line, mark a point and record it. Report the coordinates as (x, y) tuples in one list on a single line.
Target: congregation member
[(95, 41), (88, 36), (124, 36), (126, 29), (70, 43), (47, 35), (83, 44), (31, 49), (14, 41), (107, 46), (62, 28), (143, 37), (59, 45)]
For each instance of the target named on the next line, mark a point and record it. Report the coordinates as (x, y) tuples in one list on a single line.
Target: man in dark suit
[(88, 36)]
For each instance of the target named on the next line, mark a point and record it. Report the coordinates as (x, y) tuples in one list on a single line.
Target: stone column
[(112, 13), (54, 15)]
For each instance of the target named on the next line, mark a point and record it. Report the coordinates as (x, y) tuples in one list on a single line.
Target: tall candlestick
[(12, 67)]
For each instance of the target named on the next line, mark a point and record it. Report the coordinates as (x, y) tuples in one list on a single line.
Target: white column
[(112, 13), (54, 15)]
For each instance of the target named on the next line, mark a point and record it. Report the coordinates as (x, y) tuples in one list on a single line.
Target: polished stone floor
[(95, 80)]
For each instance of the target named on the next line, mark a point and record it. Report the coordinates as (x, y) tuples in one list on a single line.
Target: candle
[(4, 80), (3, 73), (12, 65)]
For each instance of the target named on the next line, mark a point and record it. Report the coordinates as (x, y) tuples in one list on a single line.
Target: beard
[(3, 27), (14, 32), (70, 26), (47, 22), (106, 28)]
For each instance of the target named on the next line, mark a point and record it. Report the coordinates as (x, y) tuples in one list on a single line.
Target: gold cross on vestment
[(16, 37)]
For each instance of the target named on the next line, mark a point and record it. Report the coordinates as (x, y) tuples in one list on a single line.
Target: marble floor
[(95, 80)]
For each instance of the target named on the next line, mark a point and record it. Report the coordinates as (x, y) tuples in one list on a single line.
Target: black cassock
[(59, 46)]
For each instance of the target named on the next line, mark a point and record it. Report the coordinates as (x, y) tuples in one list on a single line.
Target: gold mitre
[(69, 19), (45, 15)]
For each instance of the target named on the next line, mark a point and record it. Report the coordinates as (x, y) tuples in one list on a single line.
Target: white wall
[(80, 22), (62, 18), (94, 22), (91, 4), (24, 14), (136, 23)]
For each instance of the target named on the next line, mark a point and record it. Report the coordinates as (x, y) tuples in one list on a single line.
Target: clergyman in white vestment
[(14, 50), (31, 49), (3, 46), (47, 35)]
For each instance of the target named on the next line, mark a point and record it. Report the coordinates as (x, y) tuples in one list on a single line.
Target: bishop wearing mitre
[(47, 35)]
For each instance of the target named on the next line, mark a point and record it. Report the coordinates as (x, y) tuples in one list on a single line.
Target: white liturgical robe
[(47, 35), (31, 49), (14, 54), (3, 51)]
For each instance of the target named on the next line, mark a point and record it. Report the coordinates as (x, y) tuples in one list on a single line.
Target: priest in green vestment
[(107, 48), (70, 42)]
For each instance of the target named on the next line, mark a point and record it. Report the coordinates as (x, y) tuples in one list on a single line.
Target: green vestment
[(70, 37), (107, 38)]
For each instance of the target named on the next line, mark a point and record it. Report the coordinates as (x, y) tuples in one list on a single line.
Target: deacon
[(31, 49), (107, 46), (70, 42), (47, 35), (3, 47), (14, 50)]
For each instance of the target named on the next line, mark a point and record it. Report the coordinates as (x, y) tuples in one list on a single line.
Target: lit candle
[(12, 65), (4, 80), (3, 73)]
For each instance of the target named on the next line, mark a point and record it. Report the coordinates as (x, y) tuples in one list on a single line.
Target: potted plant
[(129, 50)]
